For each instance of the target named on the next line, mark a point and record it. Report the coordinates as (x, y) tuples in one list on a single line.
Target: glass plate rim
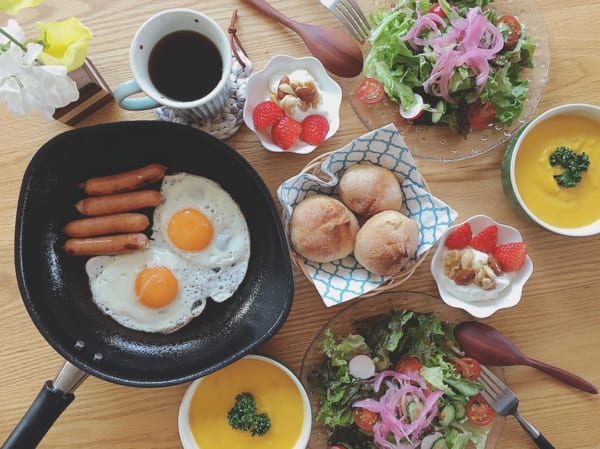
[(540, 70)]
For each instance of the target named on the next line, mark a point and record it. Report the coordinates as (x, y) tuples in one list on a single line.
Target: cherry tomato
[(479, 412), (514, 34), (370, 91), (481, 115), (467, 367), (408, 365), (337, 446), (437, 9), (365, 419)]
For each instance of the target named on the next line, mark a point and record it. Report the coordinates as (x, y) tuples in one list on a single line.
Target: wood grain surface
[(557, 320)]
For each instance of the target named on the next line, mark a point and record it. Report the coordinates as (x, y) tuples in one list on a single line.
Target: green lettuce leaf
[(383, 334), (337, 389), (477, 434)]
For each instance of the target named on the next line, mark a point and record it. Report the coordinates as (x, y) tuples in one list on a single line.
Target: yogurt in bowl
[(204, 421), (304, 72), (477, 290), (480, 282)]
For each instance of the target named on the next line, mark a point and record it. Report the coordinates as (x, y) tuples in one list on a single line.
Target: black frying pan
[(54, 286)]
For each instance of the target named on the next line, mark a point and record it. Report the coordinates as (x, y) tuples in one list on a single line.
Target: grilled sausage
[(124, 182), (119, 202), (107, 225), (106, 245)]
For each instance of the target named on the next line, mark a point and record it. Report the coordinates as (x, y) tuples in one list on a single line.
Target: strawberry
[(266, 113), (314, 129), (460, 237), (285, 132), (511, 256), (486, 240)]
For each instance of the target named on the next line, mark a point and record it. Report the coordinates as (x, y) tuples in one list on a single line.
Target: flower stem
[(13, 40)]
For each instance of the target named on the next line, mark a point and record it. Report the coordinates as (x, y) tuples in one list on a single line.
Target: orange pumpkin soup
[(275, 394), (558, 206)]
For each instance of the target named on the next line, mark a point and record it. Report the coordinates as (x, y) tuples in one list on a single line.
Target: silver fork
[(505, 402), (349, 13)]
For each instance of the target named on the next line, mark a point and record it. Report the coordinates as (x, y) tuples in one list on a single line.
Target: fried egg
[(199, 250), (200, 222), (152, 290)]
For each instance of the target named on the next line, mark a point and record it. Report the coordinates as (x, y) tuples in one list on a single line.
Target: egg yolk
[(156, 287), (190, 230)]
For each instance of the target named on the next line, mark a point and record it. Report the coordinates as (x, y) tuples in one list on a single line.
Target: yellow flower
[(14, 6), (65, 43)]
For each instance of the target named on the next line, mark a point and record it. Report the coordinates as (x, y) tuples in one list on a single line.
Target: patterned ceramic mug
[(181, 59)]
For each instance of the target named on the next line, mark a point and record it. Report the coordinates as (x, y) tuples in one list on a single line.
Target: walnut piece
[(452, 263)]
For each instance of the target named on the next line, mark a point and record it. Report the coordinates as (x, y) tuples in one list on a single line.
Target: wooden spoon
[(338, 52), (490, 347)]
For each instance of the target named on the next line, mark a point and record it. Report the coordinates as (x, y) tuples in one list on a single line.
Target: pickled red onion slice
[(470, 41), (391, 408), (424, 22)]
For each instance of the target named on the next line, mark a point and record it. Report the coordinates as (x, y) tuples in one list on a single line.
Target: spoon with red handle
[(338, 51), (490, 347)]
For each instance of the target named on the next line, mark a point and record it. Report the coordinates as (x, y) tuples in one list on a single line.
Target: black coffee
[(185, 65)]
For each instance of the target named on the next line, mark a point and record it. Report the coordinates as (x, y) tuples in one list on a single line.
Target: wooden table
[(556, 321)]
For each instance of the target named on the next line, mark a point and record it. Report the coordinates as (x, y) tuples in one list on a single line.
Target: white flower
[(25, 85), (15, 30)]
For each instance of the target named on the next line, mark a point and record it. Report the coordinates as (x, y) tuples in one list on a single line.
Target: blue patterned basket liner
[(345, 279)]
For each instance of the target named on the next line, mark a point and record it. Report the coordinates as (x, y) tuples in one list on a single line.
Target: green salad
[(399, 381), (454, 63)]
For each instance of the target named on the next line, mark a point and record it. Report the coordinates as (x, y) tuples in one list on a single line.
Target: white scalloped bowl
[(258, 90), (508, 297)]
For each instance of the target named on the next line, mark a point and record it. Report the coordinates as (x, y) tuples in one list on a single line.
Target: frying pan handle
[(51, 401), (46, 408)]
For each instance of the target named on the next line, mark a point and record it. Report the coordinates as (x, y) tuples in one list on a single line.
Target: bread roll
[(322, 229), (369, 189), (386, 242)]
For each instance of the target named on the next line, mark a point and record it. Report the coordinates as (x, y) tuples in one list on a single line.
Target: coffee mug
[(181, 59)]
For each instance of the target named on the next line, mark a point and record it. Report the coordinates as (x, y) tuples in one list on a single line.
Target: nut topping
[(463, 277), (291, 93), (464, 267), (307, 94)]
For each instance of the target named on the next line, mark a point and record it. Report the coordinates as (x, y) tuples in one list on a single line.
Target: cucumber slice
[(414, 409), (459, 408), (447, 415), (438, 112)]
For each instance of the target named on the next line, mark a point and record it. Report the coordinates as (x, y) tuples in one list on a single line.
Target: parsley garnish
[(243, 416), (572, 163)]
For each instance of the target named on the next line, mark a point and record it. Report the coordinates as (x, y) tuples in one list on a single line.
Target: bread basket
[(314, 168), (346, 279)]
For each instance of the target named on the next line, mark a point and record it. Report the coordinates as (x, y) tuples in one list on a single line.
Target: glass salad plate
[(343, 323), (440, 143)]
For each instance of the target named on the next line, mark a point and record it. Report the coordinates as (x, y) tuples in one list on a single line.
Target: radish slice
[(361, 366), (429, 440), (414, 112)]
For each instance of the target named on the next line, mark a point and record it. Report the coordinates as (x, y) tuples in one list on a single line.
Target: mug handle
[(128, 88)]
